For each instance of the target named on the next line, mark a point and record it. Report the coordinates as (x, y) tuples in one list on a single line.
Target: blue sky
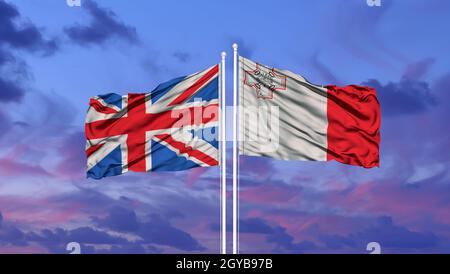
[(54, 57)]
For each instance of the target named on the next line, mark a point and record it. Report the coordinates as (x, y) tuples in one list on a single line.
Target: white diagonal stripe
[(164, 101)]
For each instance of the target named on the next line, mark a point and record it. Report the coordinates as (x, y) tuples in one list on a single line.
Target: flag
[(174, 127), (306, 121)]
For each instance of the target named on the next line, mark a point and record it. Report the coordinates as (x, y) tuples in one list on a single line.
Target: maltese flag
[(283, 116)]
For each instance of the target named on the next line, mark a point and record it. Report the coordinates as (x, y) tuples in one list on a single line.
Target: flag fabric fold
[(305, 121)]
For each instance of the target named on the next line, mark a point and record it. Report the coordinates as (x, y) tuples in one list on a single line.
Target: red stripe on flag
[(152, 121), (101, 108), (353, 125), (93, 149), (198, 84), (182, 148), (136, 138)]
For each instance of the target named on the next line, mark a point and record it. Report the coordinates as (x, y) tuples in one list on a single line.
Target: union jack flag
[(174, 127)]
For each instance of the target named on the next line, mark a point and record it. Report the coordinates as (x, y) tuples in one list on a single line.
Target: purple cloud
[(13, 167), (9, 234), (355, 27), (5, 123), (18, 36), (57, 239), (103, 27), (10, 91), (22, 36), (404, 97), (245, 49), (119, 219), (255, 225), (156, 230), (324, 70), (182, 56), (73, 162), (394, 236), (418, 69), (384, 231), (441, 87)]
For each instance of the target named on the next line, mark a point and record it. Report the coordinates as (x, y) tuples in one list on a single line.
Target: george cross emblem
[(265, 81)]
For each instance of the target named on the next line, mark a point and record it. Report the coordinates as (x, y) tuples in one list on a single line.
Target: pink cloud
[(9, 167), (194, 175), (265, 194), (23, 250), (39, 211)]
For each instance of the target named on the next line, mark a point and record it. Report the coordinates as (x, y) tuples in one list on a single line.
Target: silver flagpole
[(223, 158), (235, 200)]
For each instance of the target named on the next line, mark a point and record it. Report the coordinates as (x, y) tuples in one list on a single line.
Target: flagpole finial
[(235, 46), (224, 54)]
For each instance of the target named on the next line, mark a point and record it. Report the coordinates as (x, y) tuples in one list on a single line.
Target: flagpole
[(235, 213), (223, 157)]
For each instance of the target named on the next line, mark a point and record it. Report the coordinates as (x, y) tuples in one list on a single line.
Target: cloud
[(88, 235), (57, 239), (404, 97), (10, 91), (394, 236), (9, 234), (243, 47), (22, 36), (159, 231), (73, 160), (182, 56), (156, 66), (5, 57), (5, 124), (255, 225), (11, 72), (275, 192), (261, 167), (119, 219), (441, 87), (18, 35), (285, 243), (154, 233), (336, 242), (12, 235), (48, 118), (103, 27), (130, 249), (274, 234), (156, 230), (324, 70), (12, 167), (355, 27), (385, 232), (417, 70)]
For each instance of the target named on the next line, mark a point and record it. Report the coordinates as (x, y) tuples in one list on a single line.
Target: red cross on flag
[(173, 127)]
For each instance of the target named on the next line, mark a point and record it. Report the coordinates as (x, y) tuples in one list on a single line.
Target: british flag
[(174, 127)]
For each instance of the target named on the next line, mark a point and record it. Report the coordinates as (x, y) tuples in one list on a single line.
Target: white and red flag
[(283, 116)]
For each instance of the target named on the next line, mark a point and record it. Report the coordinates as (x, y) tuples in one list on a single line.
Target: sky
[(53, 57)]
